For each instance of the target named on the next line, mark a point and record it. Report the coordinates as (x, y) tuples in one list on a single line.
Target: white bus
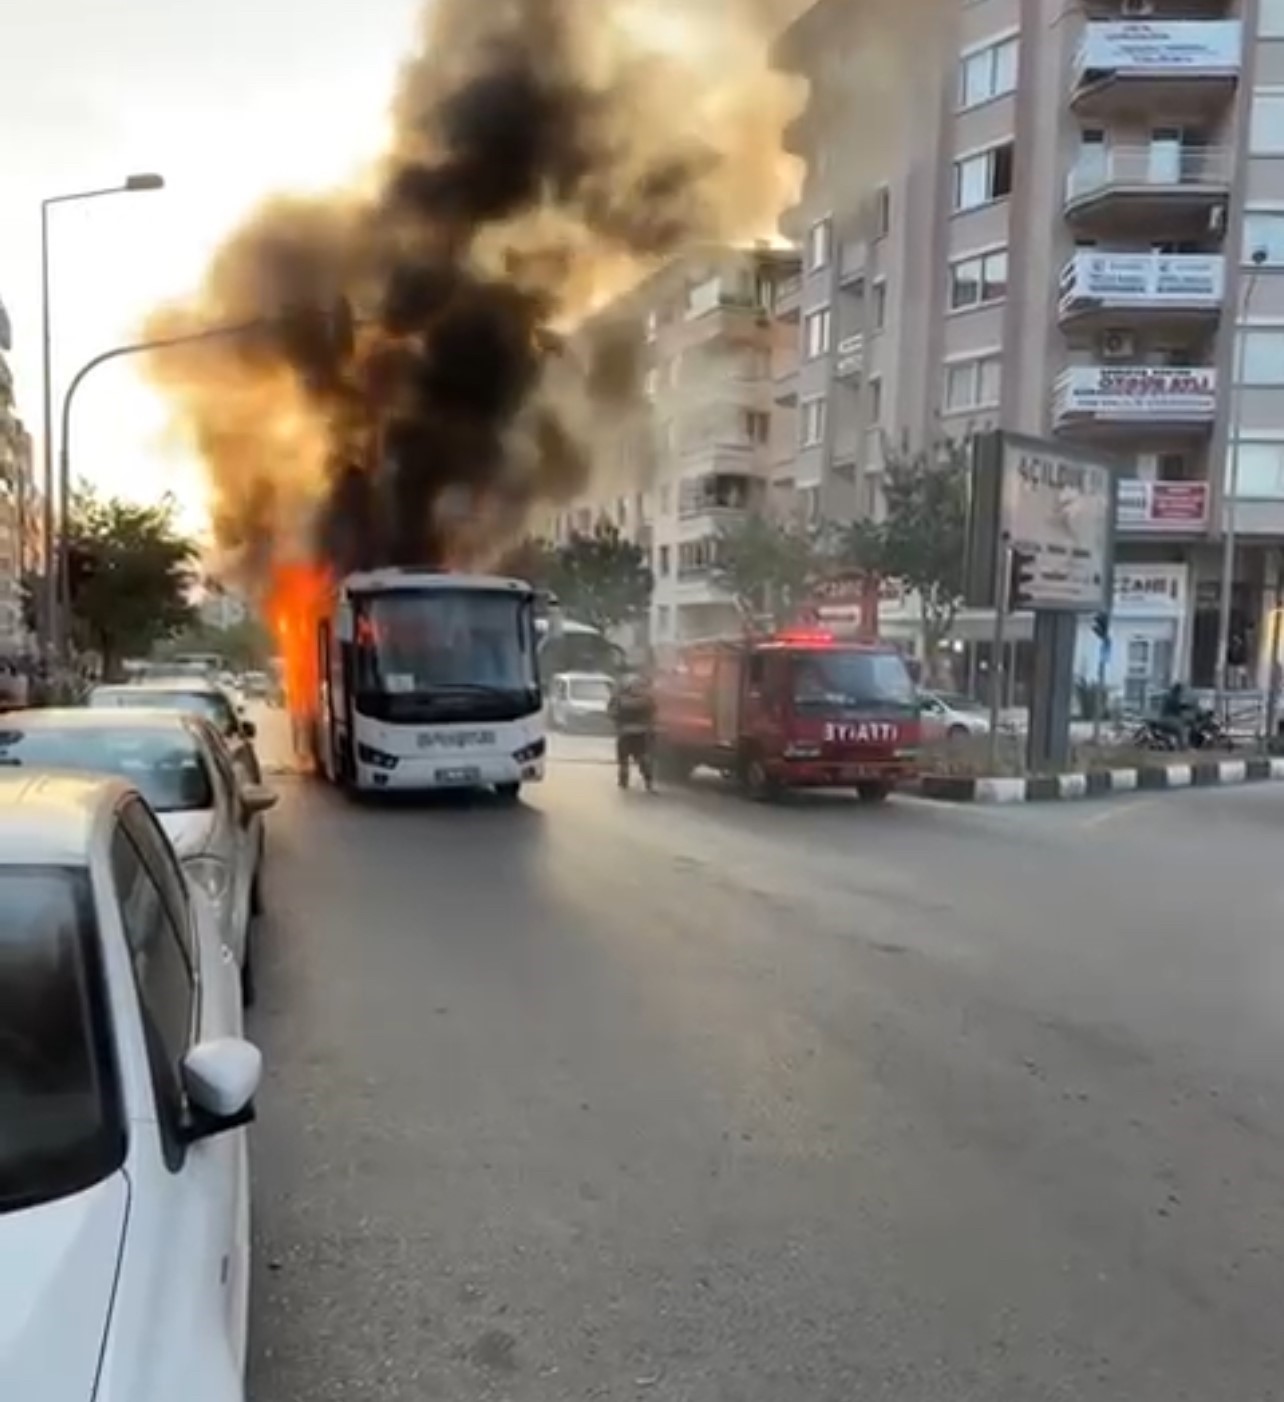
[(429, 681)]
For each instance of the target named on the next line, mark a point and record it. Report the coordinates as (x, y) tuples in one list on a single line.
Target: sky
[(228, 101)]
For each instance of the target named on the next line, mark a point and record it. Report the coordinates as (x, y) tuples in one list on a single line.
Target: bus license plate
[(458, 776)]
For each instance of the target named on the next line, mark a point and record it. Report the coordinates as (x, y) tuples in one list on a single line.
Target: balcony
[(719, 497), (789, 297), (1189, 66), (1161, 287), (1092, 398), (1163, 186), (851, 358), (1162, 508)]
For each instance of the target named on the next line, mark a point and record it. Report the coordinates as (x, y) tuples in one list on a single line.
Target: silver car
[(950, 716), (580, 701), (212, 818)]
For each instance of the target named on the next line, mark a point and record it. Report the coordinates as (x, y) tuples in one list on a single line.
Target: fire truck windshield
[(826, 679), (433, 654)]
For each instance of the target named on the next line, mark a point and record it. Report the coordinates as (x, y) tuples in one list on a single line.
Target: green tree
[(769, 567), (247, 645), (131, 572), (600, 578), (922, 537)]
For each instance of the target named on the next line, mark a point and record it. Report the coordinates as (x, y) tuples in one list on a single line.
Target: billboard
[(1162, 47), (1053, 509)]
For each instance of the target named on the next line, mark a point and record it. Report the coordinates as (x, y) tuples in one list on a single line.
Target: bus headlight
[(378, 759), (529, 753), (212, 876)]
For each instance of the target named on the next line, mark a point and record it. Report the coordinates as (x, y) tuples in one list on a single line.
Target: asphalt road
[(619, 1096)]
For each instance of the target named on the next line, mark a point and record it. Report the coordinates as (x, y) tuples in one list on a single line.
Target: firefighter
[(632, 709)]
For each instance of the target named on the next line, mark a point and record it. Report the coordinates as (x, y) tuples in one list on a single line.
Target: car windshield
[(212, 705), (60, 1122), (960, 703), (824, 679), (590, 689), (168, 768)]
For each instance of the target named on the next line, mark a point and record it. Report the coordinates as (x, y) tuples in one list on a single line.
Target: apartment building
[(17, 517), (700, 451), (1079, 233)]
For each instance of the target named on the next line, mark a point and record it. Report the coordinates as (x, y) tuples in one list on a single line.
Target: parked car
[(176, 761), (205, 698), (948, 715), (127, 1085), (579, 701)]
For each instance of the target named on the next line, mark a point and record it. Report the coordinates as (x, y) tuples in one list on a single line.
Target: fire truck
[(796, 709)]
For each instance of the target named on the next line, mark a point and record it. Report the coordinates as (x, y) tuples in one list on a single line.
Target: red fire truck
[(798, 709)]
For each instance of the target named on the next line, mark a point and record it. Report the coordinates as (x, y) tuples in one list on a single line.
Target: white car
[(212, 818), (125, 1086), (948, 715), (580, 701)]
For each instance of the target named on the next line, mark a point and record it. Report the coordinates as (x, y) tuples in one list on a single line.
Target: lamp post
[(51, 630), (1230, 492)]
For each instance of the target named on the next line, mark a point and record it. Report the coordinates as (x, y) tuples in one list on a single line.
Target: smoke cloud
[(408, 394)]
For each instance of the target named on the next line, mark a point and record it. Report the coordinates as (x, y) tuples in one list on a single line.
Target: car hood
[(189, 832), (58, 1266)]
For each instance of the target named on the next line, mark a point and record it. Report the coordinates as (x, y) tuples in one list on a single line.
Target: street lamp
[(133, 184), (1230, 492)]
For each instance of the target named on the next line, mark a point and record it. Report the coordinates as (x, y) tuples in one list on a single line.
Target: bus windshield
[(435, 654)]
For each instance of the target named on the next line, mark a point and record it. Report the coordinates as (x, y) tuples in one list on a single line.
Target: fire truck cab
[(798, 709)]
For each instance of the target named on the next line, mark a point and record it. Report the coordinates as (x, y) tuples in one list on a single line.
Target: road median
[(1102, 781)]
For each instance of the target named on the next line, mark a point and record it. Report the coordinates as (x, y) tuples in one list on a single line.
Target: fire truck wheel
[(873, 793), (757, 783)]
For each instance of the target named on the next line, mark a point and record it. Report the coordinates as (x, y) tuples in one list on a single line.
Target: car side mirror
[(221, 1078), (249, 729), (257, 798)]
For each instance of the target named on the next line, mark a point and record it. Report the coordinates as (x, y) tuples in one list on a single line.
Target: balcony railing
[(1148, 281), (1168, 48), (1139, 394), (788, 295), (1158, 168), (1162, 506)]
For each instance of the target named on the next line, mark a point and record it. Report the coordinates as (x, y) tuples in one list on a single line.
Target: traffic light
[(1019, 594), (1101, 626)]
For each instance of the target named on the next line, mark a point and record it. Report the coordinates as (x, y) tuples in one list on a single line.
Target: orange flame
[(296, 604)]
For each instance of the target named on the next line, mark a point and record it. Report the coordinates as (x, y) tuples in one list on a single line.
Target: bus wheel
[(508, 793), (873, 792)]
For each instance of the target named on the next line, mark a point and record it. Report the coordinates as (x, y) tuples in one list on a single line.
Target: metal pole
[(48, 606), (1001, 600), (1230, 491)]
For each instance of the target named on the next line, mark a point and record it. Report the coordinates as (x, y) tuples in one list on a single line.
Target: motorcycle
[(1202, 732)]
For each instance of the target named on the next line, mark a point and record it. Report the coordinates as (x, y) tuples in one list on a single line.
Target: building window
[(664, 560), (988, 73), (878, 310), (1270, 19), (664, 499), (875, 401), (982, 178), (1261, 357), (819, 240), (976, 281), (816, 333), (1264, 233), (973, 384), (812, 422), (696, 557), (1260, 472), (757, 425), (882, 211), (1266, 125)]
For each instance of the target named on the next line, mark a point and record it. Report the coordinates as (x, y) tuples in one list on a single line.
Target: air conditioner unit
[(1118, 345), (1138, 7)]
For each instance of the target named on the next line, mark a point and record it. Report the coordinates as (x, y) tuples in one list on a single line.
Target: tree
[(922, 538), (130, 573), (769, 568), (600, 578), (246, 646)]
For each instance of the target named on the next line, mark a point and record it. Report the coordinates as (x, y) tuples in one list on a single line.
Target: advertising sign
[(1157, 47), (1162, 392), (1151, 589), (1162, 506), (1143, 280), (1058, 513)]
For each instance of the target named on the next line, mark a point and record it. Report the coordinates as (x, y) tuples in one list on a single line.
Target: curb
[(1098, 783)]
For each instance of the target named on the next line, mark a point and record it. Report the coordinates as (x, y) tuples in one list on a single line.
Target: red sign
[(1162, 505)]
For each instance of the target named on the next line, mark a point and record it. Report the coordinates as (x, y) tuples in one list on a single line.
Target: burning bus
[(402, 679)]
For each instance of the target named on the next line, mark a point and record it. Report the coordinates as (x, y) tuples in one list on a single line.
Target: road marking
[(1117, 810)]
